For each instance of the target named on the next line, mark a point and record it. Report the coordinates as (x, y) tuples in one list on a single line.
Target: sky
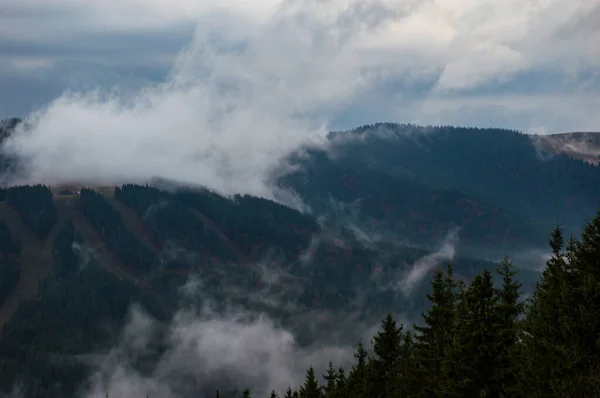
[(216, 92)]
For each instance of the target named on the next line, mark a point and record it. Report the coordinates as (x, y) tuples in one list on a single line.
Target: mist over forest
[(299, 199), (171, 289)]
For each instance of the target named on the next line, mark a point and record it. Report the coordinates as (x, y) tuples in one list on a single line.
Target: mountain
[(494, 184), (389, 204)]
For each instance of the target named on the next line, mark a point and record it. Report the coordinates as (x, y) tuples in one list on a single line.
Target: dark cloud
[(97, 45), (91, 60)]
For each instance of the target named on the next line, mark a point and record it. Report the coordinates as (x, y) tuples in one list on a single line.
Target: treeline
[(478, 340), (107, 222), (35, 206)]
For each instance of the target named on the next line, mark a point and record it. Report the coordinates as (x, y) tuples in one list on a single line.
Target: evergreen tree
[(509, 310), (341, 383), (548, 337), (386, 345), (583, 260), (358, 377), (386, 342), (435, 337), (246, 393), (331, 378), (470, 366), (273, 394), (288, 393), (400, 382), (310, 388)]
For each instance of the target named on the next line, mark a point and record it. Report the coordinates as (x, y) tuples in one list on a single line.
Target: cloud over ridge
[(255, 84)]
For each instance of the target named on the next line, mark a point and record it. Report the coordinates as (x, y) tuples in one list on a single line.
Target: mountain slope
[(513, 192), (252, 246)]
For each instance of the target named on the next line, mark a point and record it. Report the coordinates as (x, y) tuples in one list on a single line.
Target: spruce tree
[(583, 259), (331, 378), (406, 366), (386, 345), (356, 383), (288, 393), (435, 337), (509, 309), (310, 388), (400, 382), (470, 366), (549, 336), (341, 383)]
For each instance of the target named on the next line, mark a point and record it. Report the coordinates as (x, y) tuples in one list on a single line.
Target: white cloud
[(419, 270), (531, 113), (205, 348), (262, 79)]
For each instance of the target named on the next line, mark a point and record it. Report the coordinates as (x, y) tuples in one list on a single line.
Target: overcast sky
[(528, 64), (217, 91)]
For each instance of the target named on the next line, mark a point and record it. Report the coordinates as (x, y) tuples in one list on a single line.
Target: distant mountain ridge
[(496, 184), (512, 188)]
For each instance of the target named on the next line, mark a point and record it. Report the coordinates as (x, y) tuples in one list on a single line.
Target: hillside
[(143, 243), (101, 252), (492, 183)]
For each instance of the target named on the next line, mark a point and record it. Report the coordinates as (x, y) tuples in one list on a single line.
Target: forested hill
[(73, 261), (478, 340), (497, 185)]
